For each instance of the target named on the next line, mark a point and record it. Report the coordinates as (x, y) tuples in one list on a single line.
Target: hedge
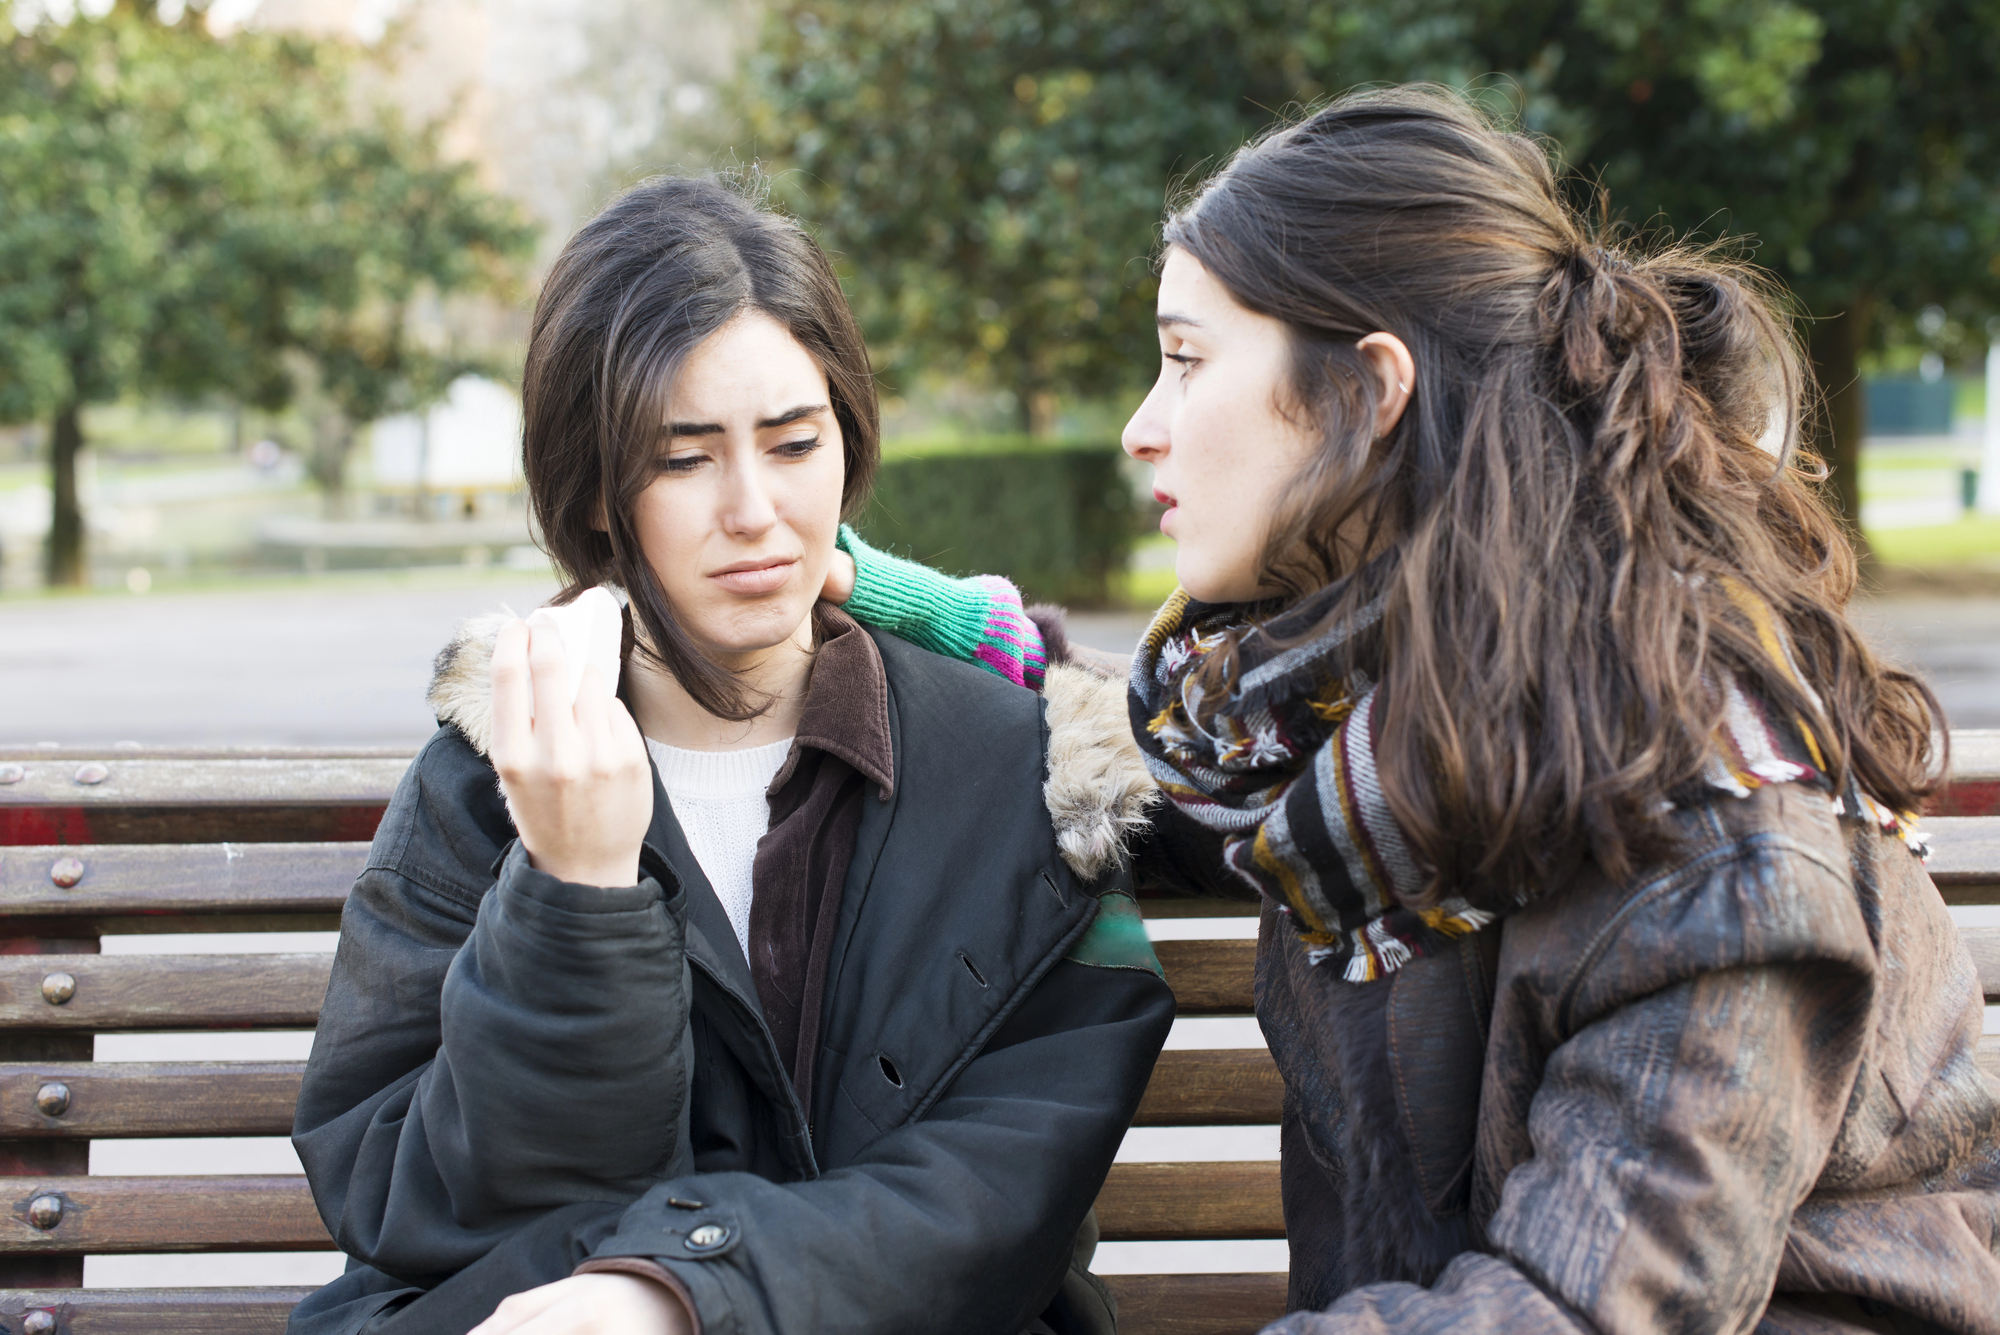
[(1058, 520)]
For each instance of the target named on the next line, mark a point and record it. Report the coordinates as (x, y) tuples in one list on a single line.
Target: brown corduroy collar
[(846, 710)]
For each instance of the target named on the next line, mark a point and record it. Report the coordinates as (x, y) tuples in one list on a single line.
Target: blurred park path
[(344, 660), (341, 660)]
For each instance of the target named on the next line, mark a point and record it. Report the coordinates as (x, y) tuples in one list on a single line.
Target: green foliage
[(182, 214), (1059, 522), (992, 172)]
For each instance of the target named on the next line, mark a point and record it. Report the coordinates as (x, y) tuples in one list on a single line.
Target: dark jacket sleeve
[(1702, 1053), (476, 1060), (962, 1220)]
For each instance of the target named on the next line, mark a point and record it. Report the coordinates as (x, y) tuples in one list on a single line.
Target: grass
[(1972, 541)]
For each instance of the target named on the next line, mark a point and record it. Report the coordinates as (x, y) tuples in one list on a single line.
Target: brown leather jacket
[(1735, 1093)]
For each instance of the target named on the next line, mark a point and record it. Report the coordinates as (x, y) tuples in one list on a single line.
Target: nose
[(1145, 437), (747, 510)]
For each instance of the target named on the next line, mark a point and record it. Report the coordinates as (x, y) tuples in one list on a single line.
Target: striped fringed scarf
[(1288, 778)]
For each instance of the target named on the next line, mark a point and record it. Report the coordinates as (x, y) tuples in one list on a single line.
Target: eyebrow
[(1166, 318), (786, 418)]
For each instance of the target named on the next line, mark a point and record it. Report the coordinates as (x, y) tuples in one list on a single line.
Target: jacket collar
[(847, 703)]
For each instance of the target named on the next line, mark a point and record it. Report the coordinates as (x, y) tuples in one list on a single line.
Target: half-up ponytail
[(1601, 444)]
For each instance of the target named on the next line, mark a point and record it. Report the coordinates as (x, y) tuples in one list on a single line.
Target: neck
[(666, 713)]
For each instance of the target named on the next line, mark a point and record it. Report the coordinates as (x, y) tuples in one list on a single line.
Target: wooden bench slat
[(1974, 789), (1147, 1305), (107, 1215), (1209, 977), (167, 881), (146, 801), (139, 992), (1196, 907), (1965, 857), (1213, 1087), (1177, 1202), (120, 1100), (218, 1311), (1197, 1304), (117, 1100)]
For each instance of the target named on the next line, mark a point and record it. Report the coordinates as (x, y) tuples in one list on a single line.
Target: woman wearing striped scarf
[(1510, 667)]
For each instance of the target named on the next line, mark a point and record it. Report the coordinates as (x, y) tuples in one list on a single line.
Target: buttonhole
[(889, 1071), (972, 969)]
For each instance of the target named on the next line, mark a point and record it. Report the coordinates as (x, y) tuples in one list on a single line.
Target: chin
[(754, 627), (1210, 587)]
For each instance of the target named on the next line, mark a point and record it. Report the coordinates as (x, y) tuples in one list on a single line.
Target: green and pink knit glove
[(976, 620)]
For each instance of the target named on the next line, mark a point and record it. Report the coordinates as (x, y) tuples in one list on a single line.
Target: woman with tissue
[(719, 964)]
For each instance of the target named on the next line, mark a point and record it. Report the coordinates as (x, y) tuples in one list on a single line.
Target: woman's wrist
[(684, 1320)]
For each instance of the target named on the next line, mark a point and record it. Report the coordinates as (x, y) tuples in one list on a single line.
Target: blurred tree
[(1857, 142), (185, 214), (992, 171)]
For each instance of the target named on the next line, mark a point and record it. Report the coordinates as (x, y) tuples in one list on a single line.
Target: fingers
[(593, 705), (550, 665), (509, 671), (839, 586), (606, 724)]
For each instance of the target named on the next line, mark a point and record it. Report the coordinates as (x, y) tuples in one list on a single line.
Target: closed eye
[(1185, 362), (798, 449)]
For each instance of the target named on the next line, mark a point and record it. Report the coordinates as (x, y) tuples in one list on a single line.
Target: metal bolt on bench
[(238, 841)]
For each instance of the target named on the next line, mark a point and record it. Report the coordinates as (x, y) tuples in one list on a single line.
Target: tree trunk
[(65, 550), (1834, 344), (332, 442)]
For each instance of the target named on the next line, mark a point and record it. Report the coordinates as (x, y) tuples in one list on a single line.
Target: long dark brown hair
[(664, 266), (1603, 435)]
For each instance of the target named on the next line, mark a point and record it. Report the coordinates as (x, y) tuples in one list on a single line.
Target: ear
[(1396, 370)]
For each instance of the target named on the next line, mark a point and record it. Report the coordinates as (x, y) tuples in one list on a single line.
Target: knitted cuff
[(977, 620)]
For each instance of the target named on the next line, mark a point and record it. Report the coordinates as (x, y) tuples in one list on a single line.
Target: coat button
[(706, 1237)]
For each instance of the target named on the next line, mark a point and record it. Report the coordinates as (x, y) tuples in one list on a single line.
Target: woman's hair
[(1600, 446), (667, 264)]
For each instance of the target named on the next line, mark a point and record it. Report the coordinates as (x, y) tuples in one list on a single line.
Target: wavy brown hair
[(1552, 523), (633, 293)]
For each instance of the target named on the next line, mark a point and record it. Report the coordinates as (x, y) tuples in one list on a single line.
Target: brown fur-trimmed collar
[(1097, 788)]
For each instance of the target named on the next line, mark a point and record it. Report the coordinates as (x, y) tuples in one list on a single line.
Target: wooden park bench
[(133, 841)]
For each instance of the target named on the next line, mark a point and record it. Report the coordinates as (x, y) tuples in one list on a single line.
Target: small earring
[(1403, 387)]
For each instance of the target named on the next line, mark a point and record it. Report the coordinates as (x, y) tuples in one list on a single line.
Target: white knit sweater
[(718, 798)]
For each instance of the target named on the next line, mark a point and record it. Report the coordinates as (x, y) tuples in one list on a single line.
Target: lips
[(1173, 508), (762, 575)]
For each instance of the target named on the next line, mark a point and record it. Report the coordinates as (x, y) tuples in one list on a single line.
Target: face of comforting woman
[(739, 521), (1222, 447)]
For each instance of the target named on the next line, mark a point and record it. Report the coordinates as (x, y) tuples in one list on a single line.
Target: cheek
[(808, 496), (671, 524)]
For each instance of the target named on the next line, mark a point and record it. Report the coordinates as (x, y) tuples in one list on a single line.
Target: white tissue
[(590, 627)]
